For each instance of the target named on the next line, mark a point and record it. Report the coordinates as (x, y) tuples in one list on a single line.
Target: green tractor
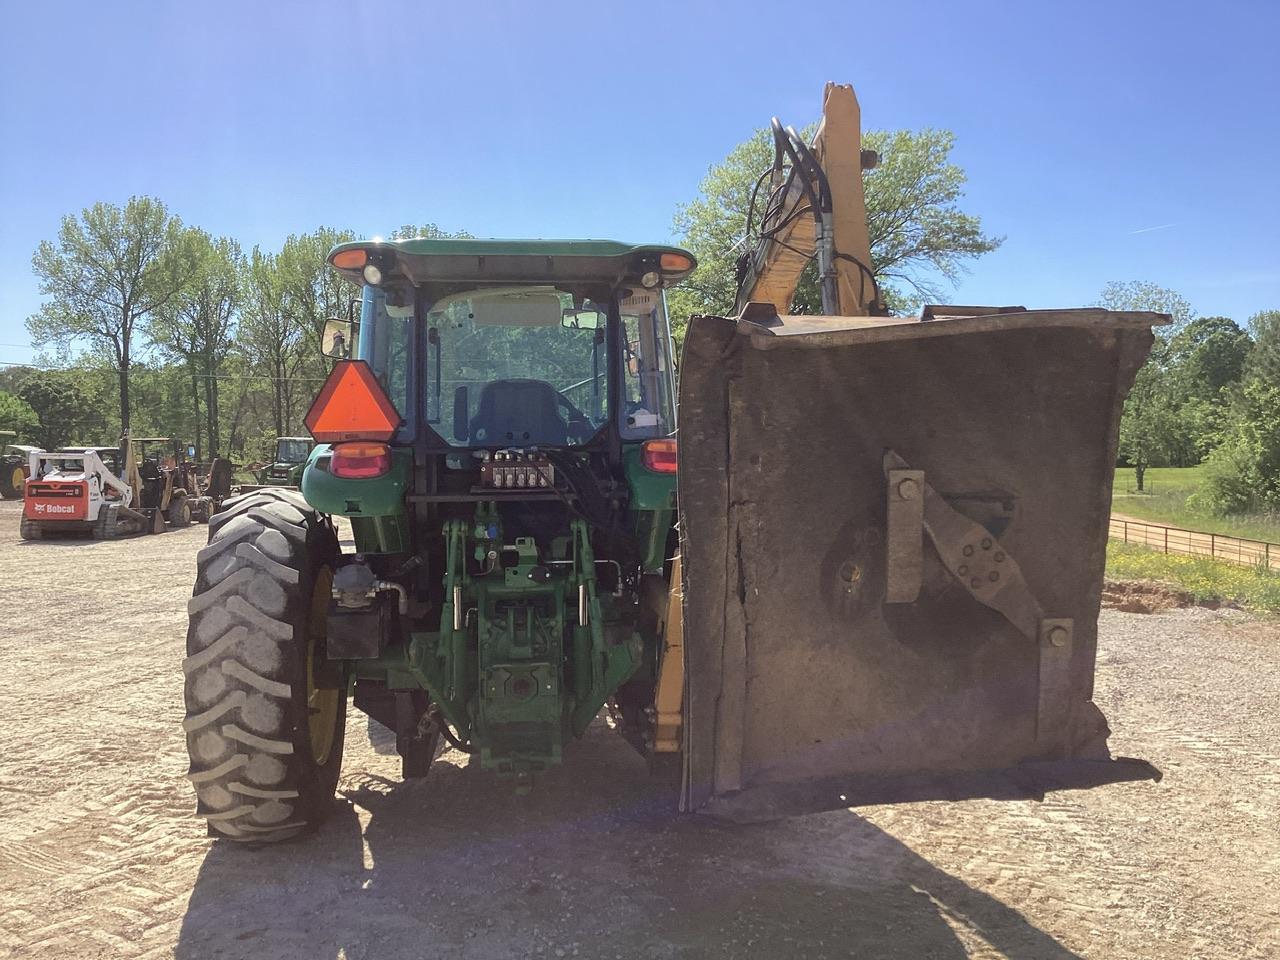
[(285, 470), (503, 449)]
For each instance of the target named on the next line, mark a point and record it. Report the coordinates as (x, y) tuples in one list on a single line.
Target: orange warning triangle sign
[(352, 406)]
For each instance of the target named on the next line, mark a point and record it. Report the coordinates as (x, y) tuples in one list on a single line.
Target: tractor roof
[(511, 261)]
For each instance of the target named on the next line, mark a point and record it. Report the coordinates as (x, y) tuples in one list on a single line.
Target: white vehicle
[(91, 490)]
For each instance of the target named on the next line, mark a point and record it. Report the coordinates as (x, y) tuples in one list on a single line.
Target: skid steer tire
[(29, 530), (266, 712)]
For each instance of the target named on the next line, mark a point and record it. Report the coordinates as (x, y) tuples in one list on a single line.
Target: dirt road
[(99, 856)]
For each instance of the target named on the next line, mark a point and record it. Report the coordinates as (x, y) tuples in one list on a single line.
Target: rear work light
[(659, 455), (359, 460)]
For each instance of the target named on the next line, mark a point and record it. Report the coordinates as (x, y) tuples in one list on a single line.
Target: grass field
[(1165, 501), (1203, 578)]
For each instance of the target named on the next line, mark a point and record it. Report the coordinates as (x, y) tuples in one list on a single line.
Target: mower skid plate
[(1026, 781), (893, 537)]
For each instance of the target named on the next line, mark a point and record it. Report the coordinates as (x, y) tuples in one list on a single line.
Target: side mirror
[(336, 340), (461, 414)]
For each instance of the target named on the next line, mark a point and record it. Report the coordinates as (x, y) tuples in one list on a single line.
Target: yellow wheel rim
[(322, 702), (17, 480)]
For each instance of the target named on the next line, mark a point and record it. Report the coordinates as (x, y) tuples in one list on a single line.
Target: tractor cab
[(501, 420), (554, 345), (290, 457)]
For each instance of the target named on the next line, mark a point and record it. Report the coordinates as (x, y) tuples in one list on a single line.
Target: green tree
[(58, 405), (109, 268), (1244, 471), (1150, 431), (196, 327), (1208, 355), (16, 415), (1149, 427), (919, 236), (1203, 363), (1264, 360), (310, 290), (274, 338)]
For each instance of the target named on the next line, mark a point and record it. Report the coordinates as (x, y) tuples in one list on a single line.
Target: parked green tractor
[(285, 470), (502, 448)]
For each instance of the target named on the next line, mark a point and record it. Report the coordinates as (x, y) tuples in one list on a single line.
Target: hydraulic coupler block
[(518, 470)]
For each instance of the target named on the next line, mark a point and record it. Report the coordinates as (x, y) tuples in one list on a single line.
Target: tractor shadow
[(593, 863)]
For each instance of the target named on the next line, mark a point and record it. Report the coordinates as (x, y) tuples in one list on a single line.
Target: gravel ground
[(100, 856)]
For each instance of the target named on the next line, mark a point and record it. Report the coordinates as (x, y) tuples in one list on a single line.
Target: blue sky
[(1110, 141)]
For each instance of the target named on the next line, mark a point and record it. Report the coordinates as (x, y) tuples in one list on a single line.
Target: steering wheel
[(580, 426)]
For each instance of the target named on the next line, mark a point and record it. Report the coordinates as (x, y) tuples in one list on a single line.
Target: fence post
[(1212, 546), (1126, 530), (1166, 539)]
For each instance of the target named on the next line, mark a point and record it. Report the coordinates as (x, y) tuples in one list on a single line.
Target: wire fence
[(1196, 543)]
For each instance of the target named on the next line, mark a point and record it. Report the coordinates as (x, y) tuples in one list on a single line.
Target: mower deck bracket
[(904, 535)]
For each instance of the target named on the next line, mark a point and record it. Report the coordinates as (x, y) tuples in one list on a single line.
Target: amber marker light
[(659, 455), (358, 460), (674, 263), (350, 259)]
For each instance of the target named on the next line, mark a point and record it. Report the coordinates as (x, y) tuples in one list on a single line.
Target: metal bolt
[(1058, 636), (908, 489), (976, 582), (968, 550), (986, 543), (993, 576), (999, 556), (963, 569)]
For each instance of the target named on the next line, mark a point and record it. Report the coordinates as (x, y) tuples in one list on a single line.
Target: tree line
[(1209, 393), (153, 326)]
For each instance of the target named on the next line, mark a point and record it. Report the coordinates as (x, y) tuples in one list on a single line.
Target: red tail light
[(659, 455), (359, 460)]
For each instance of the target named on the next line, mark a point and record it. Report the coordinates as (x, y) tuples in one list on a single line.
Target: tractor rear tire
[(12, 482), (266, 711), (179, 514)]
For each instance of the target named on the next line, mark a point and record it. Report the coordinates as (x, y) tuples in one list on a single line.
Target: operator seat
[(519, 411), (152, 482)]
